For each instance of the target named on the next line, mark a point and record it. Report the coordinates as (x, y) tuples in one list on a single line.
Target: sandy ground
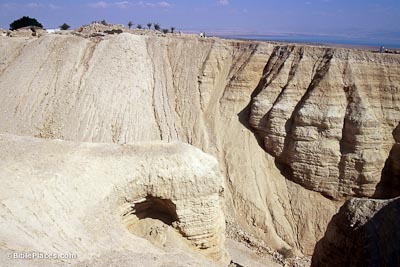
[(242, 256)]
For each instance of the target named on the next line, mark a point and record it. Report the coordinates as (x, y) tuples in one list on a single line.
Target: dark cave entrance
[(156, 208)]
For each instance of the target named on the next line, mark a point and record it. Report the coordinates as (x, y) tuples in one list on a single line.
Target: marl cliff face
[(328, 115), (288, 124)]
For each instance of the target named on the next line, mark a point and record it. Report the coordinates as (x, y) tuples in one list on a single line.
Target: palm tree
[(139, 26), (149, 25), (165, 31), (172, 29), (157, 26), (130, 24)]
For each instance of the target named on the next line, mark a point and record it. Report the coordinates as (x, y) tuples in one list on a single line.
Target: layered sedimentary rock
[(364, 233), (328, 115), (81, 198), (212, 94)]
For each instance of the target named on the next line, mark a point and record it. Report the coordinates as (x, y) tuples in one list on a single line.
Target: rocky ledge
[(84, 198)]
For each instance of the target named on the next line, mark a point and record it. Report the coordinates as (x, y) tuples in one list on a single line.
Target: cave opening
[(156, 208)]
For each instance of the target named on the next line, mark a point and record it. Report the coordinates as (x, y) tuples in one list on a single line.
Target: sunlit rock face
[(292, 127), (83, 198), (328, 116)]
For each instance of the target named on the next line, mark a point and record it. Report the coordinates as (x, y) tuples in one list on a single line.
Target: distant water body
[(328, 40)]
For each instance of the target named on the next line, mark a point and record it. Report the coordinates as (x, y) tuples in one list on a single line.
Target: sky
[(353, 18)]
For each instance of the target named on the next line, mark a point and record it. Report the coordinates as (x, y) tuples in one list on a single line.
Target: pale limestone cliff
[(327, 115), (212, 94), (365, 232), (82, 198)]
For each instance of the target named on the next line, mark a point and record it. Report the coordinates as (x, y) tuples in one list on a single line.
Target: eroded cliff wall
[(328, 116), (213, 94)]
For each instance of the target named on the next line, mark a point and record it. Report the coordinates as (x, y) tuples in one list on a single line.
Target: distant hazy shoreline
[(318, 40)]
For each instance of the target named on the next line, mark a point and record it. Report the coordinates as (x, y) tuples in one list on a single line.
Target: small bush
[(64, 27)]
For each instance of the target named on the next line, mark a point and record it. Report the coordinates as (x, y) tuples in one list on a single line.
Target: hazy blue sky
[(347, 17)]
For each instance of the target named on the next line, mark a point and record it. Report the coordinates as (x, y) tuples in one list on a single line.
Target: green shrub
[(64, 27), (24, 22)]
